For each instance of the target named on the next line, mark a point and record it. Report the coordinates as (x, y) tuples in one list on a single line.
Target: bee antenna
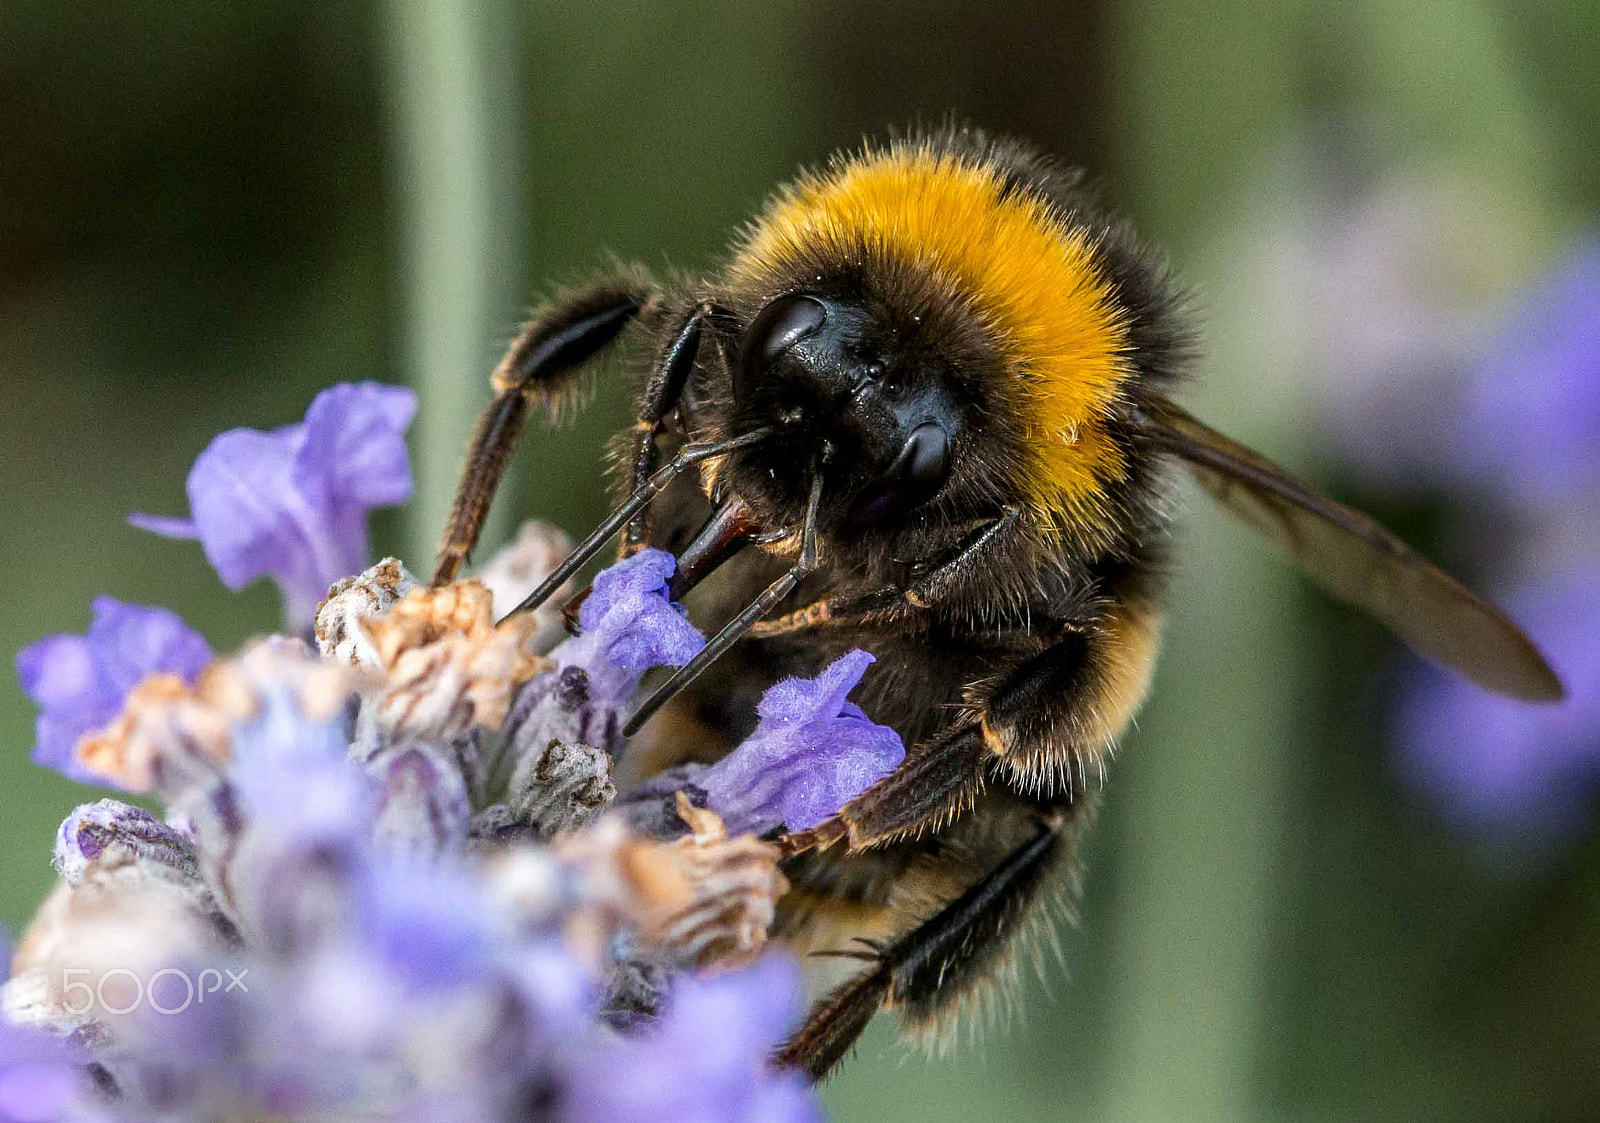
[(687, 456), (734, 629)]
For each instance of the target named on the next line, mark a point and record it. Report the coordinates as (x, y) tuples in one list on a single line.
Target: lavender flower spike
[(79, 682), (292, 504), (811, 753)]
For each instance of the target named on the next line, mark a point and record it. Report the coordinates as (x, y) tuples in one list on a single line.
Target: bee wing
[(1356, 560)]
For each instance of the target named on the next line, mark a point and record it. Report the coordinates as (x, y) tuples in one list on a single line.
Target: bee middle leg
[(1040, 724)]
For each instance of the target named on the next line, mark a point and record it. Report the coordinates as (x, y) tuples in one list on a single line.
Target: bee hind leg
[(925, 973)]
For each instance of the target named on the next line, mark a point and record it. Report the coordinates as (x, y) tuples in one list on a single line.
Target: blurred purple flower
[(1532, 423), (707, 1060), (294, 814), (292, 504), (80, 682), (41, 1078), (1506, 769), (811, 753), (425, 923)]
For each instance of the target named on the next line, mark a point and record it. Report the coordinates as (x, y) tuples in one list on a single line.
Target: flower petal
[(354, 444), (291, 504), (60, 671), (132, 641), (797, 699), (79, 682), (811, 753), (630, 618), (238, 489)]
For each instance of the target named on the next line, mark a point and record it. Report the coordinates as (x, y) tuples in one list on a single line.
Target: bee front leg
[(662, 393)]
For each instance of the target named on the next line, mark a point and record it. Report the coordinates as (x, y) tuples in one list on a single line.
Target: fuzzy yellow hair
[(1029, 273)]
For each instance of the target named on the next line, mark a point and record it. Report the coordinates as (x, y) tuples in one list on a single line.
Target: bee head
[(827, 372)]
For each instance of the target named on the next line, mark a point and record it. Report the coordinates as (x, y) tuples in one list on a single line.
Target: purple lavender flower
[(627, 625), (1506, 769), (706, 1060), (811, 753), (79, 682), (398, 966), (292, 504), (1533, 405)]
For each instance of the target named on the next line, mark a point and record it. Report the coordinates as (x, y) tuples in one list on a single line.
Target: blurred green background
[(210, 210)]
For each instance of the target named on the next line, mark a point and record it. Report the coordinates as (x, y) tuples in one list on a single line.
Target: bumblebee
[(925, 409)]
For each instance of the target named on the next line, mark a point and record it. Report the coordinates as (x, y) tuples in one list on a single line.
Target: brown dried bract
[(355, 598), (161, 718), (736, 886), (168, 731), (446, 666), (706, 900)]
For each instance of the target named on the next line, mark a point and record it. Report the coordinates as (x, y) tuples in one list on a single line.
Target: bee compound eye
[(925, 459), (778, 327), (913, 478)]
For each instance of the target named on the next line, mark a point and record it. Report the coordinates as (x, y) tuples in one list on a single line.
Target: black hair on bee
[(925, 408)]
